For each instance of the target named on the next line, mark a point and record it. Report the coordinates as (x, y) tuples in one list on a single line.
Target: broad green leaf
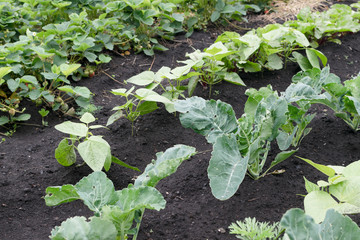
[(284, 139), (41, 52), (142, 79), (208, 118), (166, 163), (347, 191), (13, 84), (58, 195), (309, 186), (313, 54), (91, 57), (65, 153), (303, 62), (67, 88), (77, 129), (227, 168), (82, 91), (29, 79), (322, 168), (234, 78), (352, 170), (149, 95), (354, 86), (215, 16), (123, 220), (4, 71), (77, 228), (96, 190), (147, 107), (95, 151), (114, 117), (130, 199), (87, 118), (316, 203), (22, 117), (67, 69), (105, 59), (274, 62), (299, 226), (4, 120)]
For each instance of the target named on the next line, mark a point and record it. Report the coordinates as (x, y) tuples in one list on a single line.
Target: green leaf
[(347, 191), (114, 117), (147, 107), (4, 120), (309, 186), (208, 118), (41, 52), (215, 16), (234, 78), (22, 117), (68, 69), (316, 203), (130, 199), (105, 59), (77, 228), (166, 163), (322, 168), (29, 79), (4, 71), (65, 153), (13, 84), (299, 226), (95, 151), (142, 79), (96, 190), (274, 62), (58, 195), (82, 92), (77, 129), (91, 57), (149, 95), (87, 118), (313, 56), (227, 168), (303, 62), (352, 170), (282, 156), (121, 163)]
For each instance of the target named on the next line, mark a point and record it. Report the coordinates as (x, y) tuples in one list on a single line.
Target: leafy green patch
[(115, 212)]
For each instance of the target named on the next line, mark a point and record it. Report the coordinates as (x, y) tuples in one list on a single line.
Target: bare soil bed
[(28, 165)]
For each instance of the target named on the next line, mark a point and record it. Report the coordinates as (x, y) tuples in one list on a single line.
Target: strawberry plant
[(117, 214), (94, 150)]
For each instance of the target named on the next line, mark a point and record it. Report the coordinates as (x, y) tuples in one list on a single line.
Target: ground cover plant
[(28, 165), (43, 42)]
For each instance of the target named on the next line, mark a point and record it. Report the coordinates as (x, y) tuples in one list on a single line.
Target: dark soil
[(28, 165)]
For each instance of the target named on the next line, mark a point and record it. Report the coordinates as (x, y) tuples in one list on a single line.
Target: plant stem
[(138, 224)]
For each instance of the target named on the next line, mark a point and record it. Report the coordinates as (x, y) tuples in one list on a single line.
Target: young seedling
[(43, 114), (94, 150)]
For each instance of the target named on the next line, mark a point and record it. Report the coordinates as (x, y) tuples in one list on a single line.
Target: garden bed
[(28, 166)]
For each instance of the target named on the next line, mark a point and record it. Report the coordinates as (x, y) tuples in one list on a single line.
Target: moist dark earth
[(28, 165)]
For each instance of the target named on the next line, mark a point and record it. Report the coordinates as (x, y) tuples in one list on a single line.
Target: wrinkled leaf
[(227, 168), (166, 163)]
